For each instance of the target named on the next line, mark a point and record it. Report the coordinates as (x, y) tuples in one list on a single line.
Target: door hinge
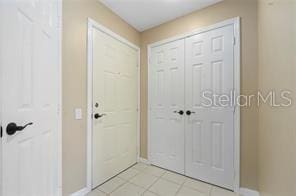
[(1, 132), (234, 41)]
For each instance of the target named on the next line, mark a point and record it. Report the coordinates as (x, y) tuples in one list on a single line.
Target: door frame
[(59, 161), (237, 63), (92, 24)]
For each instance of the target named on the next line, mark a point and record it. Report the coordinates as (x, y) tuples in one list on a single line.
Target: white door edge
[(1, 88), (236, 24), (91, 25), (60, 101)]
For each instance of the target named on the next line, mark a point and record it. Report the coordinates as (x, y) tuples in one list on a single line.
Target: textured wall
[(277, 71)]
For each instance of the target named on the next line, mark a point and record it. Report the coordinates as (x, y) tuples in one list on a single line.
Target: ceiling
[(145, 14)]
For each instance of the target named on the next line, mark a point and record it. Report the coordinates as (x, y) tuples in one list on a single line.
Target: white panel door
[(30, 69), (115, 105), (166, 101), (209, 133)]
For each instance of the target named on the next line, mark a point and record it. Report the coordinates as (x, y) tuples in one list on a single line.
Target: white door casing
[(212, 63), (31, 74), (115, 96), (166, 74), (209, 131)]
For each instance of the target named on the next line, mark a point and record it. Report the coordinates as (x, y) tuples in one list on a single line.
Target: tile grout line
[(118, 187), (143, 172), (161, 178), (126, 181), (182, 185), (158, 178), (211, 190)]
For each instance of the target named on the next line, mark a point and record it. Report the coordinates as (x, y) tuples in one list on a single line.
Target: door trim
[(92, 24), (237, 61), (60, 100), (59, 161)]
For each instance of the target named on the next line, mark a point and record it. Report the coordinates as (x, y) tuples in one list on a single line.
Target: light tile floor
[(146, 180)]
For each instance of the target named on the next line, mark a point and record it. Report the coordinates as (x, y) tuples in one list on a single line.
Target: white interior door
[(209, 131), (115, 102), (30, 93), (166, 102)]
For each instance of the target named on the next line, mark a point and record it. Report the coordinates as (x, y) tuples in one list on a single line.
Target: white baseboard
[(248, 192), (145, 161), (81, 192)]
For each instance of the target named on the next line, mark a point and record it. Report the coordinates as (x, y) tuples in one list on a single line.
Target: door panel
[(166, 90), (30, 76), (209, 133), (115, 91)]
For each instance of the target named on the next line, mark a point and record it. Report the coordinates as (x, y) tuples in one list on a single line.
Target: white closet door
[(114, 107), (209, 133), (166, 92)]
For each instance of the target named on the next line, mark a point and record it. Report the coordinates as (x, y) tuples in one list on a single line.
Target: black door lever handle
[(188, 112), (181, 112), (12, 128), (97, 116)]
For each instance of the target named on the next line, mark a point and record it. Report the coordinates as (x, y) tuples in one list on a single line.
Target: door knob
[(12, 128), (188, 112), (97, 115), (181, 112)]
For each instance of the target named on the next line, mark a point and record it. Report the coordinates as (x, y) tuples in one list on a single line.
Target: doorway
[(186, 133), (113, 104)]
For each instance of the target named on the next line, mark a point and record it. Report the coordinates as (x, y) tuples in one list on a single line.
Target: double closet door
[(190, 132)]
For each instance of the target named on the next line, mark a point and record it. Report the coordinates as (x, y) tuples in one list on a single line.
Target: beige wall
[(277, 71), (247, 10), (75, 13)]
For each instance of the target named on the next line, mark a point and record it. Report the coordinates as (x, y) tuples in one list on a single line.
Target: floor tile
[(96, 193), (184, 191), (148, 193), (174, 177), (143, 180), (155, 171), (164, 188), (198, 185), (140, 166), (216, 191), (128, 174), (146, 180), (111, 185), (128, 189)]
